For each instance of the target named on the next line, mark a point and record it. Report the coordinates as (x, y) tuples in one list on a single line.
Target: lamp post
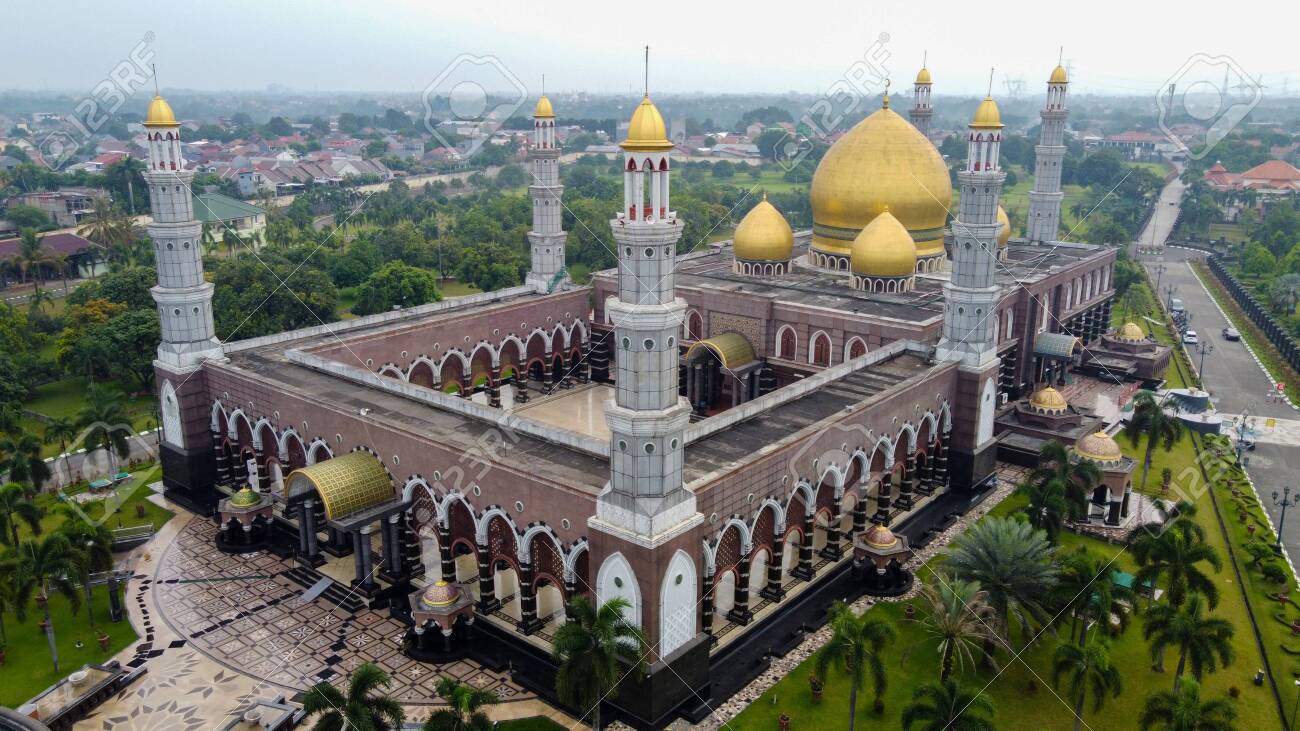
[(1159, 269), (1170, 291), (1285, 500), (1204, 347), (90, 608), (1296, 706)]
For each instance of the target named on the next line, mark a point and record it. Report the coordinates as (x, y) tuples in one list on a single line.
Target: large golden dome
[(1048, 399), (1131, 332), (1004, 235), (764, 234), (543, 109), (647, 132), (884, 249), (160, 114), (883, 161), (1098, 447)]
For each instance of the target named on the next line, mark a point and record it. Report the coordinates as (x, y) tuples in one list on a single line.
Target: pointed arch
[(617, 579), (391, 371), (819, 349), (282, 445), (533, 533), (262, 426), (677, 599), (316, 449), (778, 519), (219, 420), (173, 431), (910, 432), (804, 489), (787, 342), (856, 347)]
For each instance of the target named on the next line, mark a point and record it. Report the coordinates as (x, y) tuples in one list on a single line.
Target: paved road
[(143, 447)]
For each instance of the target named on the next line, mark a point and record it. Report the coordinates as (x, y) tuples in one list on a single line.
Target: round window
[(649, 253), (648, 344), (649, 448), (627, 343), (622, 446), (618, 581)]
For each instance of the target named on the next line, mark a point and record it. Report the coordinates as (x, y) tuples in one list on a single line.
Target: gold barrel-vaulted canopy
[(346, 485), (731, 349), (883, 161)]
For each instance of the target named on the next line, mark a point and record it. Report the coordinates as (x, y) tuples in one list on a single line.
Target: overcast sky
[(404, 45)]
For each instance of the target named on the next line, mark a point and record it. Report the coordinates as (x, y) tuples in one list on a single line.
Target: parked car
[(1190, 338), (1230, 333), (1176, 306)]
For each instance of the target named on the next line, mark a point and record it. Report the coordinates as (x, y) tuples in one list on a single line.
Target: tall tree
[(11, 601), (61, 430), (15, 507), (464, 711), (20, 456), (1175, 556), (590, 651), (1149, 420), (855, 649), (1205, 642), (1089, 672), (45, 566), (1075, 479), (1012, 562), (363, 706), (104, 418), (1088, 592), (946, 706), (1184, 710), (33, 256), (959, 619), (95, 543)]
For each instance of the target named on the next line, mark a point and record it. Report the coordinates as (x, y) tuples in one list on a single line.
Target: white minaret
[(184, 298), (546, 239), (922, 112), (1045, 199), (645, 501), (972, 293)]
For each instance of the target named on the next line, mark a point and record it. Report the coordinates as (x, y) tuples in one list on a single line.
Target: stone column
[(528, 623), (487, 600), (263, 472), (570, 590), (908, 485), (302, 527), (313, 548), (773, 590), (1128, 498), (735, 391), (240, 471), (696, 387), (740, 613), (223, 460), (494, 386), (358, 561), (447, 567), (706, 606), (804, 570), (1113, 508), (940, 481), (584, 367), (883, 497), (467, 385), (833, 549)]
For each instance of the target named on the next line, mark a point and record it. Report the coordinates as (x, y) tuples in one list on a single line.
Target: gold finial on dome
[(1048, 399), (1059, 76), (884, 248), (764, 235), (1098, 447), (160, 114), (1004, 234), (884, 103), (880, 536), (245, 498), (1130, 332)]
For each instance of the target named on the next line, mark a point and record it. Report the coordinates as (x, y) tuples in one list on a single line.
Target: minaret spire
[(547, 271), (989, 95), (1045, 197), (647, 70), (921, 112), (153, 69)]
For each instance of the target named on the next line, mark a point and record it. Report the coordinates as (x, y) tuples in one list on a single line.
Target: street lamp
[(1170, 291), (1296, 706), (1285, 500), (1159, 269), (1205, 347)]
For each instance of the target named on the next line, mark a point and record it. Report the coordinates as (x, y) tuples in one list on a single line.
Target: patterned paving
[(239, 611)]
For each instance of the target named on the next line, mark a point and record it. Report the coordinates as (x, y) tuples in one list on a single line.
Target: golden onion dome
[(884, 249), (647, 132), (1048, 399), (1004, 234), (543, 109), (923, 76), (1130, 332), (987, 115), (882, 161), (245, 498), (1098, 447), (160, 114), (880, 536), (439, 594), (764, 234), (1059, 76)]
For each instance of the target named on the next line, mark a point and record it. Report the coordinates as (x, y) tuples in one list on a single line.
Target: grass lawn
[(536, 723), (122, 506), (28, 669), (1022, 693), (454, 288), (65, 397), (1233, 232)]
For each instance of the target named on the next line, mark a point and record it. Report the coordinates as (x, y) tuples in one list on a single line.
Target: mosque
[(728, 438)]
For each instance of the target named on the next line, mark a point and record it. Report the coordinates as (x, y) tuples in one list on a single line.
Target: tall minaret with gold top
[(921, 112), (546, 239), (1045, 198)]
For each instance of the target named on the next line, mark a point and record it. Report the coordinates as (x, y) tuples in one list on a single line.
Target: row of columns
[(1089, 325)]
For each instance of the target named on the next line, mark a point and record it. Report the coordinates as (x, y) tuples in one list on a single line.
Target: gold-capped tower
[(647, 131), (160, 114)]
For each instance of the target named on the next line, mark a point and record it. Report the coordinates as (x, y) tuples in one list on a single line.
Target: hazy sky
[(403, 45)]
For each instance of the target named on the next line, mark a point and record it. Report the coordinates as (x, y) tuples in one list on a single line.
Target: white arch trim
[(677, 599), (809, 498), (812, 346), (257, 433), (481, 528), (778, 523), (779, 332), (215, 423), (172, 430), (524, 544), (282, 443), (614, 568)]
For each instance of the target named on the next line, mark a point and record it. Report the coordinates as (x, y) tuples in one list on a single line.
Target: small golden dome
[(1048, 399), (882, 161), (1098, 447), (880, 536), (160, 114), (764, 234), (245, 498), (439, 594), (647, 132), (987, 115), (923, 76), (543, 109), (1130, 332), (884, 249), (1059, 76), (1004, 235)]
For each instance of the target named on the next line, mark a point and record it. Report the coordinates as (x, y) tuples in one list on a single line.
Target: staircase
[(335, 595)]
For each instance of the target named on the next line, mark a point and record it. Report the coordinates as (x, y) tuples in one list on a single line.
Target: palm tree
[(589, 651), (10, 596), (1183, 710), (946, 706), (1087, 589), (22, 459), (96, 544), (32, 254), (44, 566), (1286, 290), (1012, 562), (103, 416), (464, 712), (39, 298), (1089, 671), (361, 708), (1076, 479), (1150, 420), (14, 506), (61, 430), (960, 619), (1205, 642), (855, 647), (1175, 556)]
